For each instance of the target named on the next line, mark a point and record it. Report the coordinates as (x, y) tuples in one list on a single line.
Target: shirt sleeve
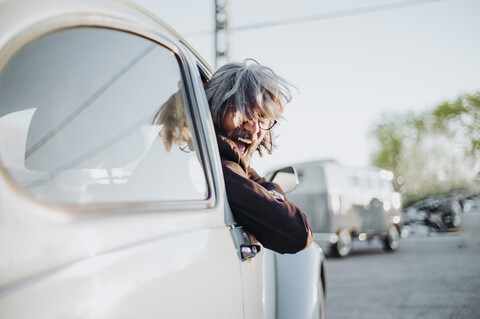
[(278, 224), (252, 175)]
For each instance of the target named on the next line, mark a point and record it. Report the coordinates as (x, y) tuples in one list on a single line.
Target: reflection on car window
[(173, 120), (93, 115)]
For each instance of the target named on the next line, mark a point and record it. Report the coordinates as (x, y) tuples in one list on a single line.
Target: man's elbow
[(309, 239)]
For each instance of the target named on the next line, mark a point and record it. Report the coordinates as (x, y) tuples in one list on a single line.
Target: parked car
[(344, 203), (112, 200), (439, 212), (471, 203)]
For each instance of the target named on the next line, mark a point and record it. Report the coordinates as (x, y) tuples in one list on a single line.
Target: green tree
[(432, 152)]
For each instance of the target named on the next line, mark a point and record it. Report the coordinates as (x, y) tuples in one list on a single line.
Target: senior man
[(246, 99)]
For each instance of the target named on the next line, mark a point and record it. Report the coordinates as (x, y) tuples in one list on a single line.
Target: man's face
[(245, 133)]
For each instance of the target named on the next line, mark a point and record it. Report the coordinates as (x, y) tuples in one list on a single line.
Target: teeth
[(241, 139)]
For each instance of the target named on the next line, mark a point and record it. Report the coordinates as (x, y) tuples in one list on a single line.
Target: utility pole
[(221, 33)]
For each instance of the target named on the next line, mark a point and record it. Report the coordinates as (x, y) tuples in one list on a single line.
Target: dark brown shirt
[(277, 224)]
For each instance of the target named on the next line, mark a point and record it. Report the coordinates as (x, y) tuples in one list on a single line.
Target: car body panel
[(299, 278)]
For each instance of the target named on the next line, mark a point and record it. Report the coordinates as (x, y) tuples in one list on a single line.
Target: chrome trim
[(249, 251)]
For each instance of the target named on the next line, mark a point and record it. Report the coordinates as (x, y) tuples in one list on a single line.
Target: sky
[(359, 61)]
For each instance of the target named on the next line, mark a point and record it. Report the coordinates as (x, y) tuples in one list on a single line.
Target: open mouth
[(243, 144)]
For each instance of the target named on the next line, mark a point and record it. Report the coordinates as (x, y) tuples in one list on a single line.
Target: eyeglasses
[(263, 122)]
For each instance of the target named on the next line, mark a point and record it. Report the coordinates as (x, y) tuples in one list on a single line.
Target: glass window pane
[(93, 115)]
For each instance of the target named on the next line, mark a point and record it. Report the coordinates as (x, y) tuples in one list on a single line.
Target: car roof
[(17, 16)]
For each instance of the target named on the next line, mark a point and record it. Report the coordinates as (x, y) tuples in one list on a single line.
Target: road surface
[(432, 276)]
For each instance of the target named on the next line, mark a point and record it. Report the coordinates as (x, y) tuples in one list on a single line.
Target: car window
[(337, 177), (92, 115)]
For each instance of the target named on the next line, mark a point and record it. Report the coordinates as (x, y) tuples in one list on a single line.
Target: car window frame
[(41, 29)]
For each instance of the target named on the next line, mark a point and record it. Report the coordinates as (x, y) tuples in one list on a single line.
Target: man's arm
[(272, 188), (278, 224)]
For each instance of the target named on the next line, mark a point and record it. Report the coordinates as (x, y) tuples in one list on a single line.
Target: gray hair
[(244, 86)]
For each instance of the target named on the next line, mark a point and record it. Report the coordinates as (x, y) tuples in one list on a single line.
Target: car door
[(110, 200)]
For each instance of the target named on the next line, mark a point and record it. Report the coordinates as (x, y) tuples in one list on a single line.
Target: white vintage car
[(112, 200)]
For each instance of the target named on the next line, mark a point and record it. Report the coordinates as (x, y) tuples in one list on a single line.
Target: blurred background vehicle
[(471, 203), (345, 203), (439, 212)]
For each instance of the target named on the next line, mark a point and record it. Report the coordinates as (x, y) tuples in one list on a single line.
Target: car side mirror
[(286, 178)]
